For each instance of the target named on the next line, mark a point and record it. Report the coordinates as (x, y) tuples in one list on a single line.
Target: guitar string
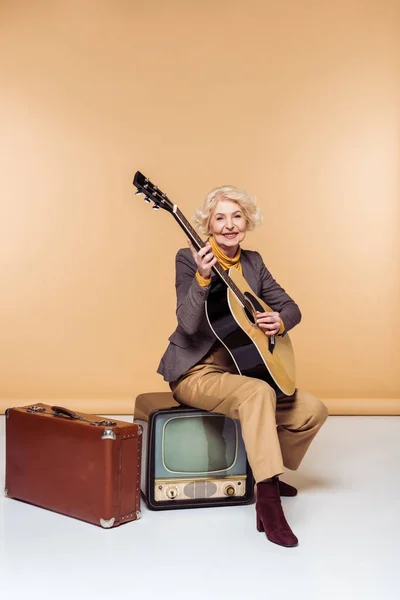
[(186, 225), (217, 267)]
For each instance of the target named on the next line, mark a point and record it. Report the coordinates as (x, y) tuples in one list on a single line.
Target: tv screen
[(199, 444)]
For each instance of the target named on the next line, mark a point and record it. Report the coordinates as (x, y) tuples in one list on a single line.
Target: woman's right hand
[(204, 259)]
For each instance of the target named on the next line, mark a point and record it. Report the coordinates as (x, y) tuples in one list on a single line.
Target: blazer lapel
[(249, 273)]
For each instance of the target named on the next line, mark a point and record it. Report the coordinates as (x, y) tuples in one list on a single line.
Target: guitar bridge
[(271, 343)]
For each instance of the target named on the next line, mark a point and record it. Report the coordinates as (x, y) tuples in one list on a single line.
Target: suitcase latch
[(108, 434)]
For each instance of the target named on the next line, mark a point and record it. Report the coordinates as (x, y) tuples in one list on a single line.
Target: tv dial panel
[(199, 488)]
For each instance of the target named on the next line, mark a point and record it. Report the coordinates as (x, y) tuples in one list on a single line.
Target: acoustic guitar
[(231, 311)]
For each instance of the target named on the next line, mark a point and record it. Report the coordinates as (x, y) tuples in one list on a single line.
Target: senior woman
[(202, 373)]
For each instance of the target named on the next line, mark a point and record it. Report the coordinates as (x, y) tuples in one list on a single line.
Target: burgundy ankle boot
[(270, 517)]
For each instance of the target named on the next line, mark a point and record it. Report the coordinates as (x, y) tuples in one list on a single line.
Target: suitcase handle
[(60, 411)]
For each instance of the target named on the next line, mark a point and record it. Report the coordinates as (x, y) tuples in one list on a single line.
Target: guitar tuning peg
[(147, 200), (137, 193), (155, 207)]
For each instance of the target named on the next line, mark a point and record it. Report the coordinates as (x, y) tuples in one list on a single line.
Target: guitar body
[(254, 353)]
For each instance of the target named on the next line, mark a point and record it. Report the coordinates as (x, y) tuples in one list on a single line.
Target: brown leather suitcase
[(76, 464)]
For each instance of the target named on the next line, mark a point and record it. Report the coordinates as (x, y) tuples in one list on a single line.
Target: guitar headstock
[(152, 193)]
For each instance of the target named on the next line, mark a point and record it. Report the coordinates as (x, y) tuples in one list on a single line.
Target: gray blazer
[(193, 337)]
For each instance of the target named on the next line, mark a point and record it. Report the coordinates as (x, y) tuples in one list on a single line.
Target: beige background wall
[(296, 101)]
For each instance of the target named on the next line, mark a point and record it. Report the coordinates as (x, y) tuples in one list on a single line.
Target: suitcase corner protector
[(107, 523)]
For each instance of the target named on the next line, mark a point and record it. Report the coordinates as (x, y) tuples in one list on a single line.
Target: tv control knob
[(172, 492), (229, 490)]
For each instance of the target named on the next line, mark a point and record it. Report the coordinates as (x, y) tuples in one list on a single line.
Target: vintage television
[(190, 458)]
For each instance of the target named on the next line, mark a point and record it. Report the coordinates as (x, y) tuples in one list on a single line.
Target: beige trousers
[(275, 434)]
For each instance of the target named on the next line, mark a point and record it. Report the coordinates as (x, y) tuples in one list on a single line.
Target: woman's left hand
[(269, 322)]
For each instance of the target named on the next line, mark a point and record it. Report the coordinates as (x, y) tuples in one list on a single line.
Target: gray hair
[(247, 204)]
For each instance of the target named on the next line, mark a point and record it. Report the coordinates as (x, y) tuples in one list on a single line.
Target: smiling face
[(228, 226)]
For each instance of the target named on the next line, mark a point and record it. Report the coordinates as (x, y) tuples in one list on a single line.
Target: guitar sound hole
[(250, 316), (256, 305)]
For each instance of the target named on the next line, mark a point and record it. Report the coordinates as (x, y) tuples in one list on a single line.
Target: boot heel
[(260, 526)]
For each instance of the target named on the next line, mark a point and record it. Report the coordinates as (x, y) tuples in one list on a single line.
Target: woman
[(202, 374)]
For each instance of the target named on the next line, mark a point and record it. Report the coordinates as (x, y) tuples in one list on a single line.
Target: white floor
[(347, 518)]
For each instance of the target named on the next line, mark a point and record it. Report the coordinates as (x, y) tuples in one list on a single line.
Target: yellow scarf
[(223, 259)]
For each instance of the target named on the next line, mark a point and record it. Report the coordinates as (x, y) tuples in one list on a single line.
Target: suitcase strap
[(60, 411)]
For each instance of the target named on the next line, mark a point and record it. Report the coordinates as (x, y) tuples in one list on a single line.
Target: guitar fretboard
[(198, 243)]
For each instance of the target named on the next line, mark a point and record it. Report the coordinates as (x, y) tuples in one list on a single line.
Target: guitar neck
[(161, 200), (198, 244)]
